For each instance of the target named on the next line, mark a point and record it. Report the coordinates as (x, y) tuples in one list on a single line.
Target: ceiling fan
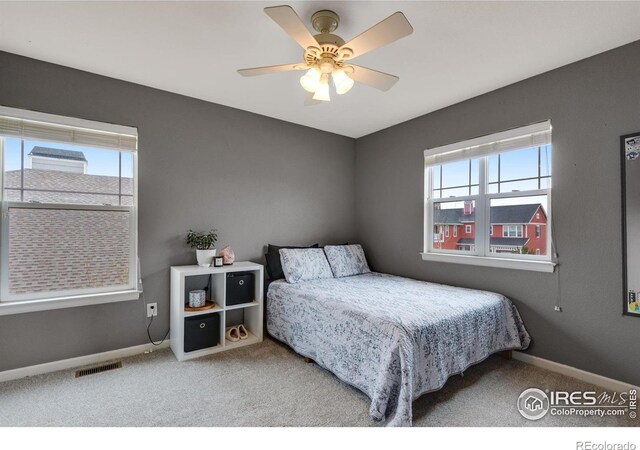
[(327, 54)]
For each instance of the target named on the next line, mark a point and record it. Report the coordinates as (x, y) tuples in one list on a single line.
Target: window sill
[(27, 306), (502, 263)]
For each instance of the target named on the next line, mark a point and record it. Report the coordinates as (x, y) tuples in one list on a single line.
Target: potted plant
[(203, 243)]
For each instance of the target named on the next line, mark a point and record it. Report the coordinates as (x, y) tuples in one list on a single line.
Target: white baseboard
[(80, 361), (582, 375)]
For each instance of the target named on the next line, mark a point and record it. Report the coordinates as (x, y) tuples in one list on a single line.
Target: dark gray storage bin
[(201, 332), (240, 288)]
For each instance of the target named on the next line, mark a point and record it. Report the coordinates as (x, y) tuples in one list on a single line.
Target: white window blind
[(48, 127), (528, 136)]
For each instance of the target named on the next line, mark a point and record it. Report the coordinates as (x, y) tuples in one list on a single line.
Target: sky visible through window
[(514, 165), (100, 161)]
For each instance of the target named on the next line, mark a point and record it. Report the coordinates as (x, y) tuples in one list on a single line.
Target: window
[(512, 230), (78, 178), (446, 231), (455, 231), (495, 186)]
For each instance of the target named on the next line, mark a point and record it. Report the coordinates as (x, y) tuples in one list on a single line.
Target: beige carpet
[(266, 385)]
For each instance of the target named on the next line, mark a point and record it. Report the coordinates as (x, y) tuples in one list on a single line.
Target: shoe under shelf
[(251, 339)]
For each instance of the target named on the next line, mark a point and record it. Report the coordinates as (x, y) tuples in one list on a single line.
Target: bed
[(393, 338)]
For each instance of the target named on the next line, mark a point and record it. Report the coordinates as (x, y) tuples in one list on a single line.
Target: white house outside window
[(497, 190), (69, 222)]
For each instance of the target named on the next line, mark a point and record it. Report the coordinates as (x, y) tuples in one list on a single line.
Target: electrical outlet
[(557, 308), (152, 309)]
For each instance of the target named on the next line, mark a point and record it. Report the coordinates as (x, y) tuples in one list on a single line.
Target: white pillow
[(346, 260), (302, 264)]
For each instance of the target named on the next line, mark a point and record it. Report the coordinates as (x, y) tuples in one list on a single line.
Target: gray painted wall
[(257, 180), (590, 103)]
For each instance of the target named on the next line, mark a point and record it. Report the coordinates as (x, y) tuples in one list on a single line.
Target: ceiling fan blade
[(271, 69), (394, 27), (310, 101), (289, 21), (373, 78)]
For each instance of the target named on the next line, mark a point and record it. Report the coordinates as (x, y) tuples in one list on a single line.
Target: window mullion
[(482, 210), (4, 231), (429, 232)]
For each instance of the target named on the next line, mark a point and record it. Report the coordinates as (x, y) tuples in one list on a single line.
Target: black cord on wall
[(149, 333), (144, 303)]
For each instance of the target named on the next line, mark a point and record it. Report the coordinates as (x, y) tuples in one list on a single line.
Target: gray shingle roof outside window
[(57, 153), (96, 189), (498, 241), (56, 250), (499, 214)]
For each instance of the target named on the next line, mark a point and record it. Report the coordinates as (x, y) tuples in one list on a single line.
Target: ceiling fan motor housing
[(325, 21), (329, 54)]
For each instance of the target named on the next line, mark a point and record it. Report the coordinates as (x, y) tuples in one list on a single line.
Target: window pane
[(459, 179), (48, 172), (475, 171), (545, 183), (77, 249), (459, 218), (519, 164), (515, 222), (455, 192), (515, 186), (455, 174), (492, 161), (545, 160), (519, 170), (13, 163), (435, 177)]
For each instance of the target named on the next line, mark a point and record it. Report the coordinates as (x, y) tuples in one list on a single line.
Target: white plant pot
[(205, 257)]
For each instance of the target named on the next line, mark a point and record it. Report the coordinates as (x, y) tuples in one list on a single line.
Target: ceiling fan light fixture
[(322, 93), (342, 81), (311, 80)]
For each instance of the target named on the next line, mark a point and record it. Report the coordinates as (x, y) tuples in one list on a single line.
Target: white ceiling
[(458, 50)]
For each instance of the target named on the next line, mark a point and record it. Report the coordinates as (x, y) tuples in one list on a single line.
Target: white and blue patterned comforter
[(393, 338)]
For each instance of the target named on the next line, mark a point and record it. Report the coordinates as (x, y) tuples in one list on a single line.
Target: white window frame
[(506, 228), (455, 231), (467, 229), (40, 301), (480, 148)]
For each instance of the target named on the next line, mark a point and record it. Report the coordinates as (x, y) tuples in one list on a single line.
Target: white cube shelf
[(185, 278)]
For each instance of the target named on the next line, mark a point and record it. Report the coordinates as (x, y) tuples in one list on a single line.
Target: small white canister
[(197, 299)]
